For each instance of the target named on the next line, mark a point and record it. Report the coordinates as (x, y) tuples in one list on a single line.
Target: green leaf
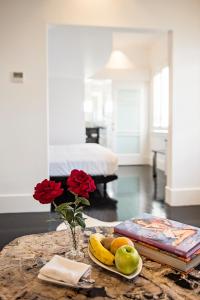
[(79, 209), (63, 206), (84, 201), (80, 221), (79, 214), (69, 214), (70, 203), (66, 212), (77, 202), (59, 209)]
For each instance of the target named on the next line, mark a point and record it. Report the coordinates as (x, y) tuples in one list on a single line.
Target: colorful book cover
[(171, 236)]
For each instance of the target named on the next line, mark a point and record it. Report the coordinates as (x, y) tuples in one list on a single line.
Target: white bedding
[(94, 159)]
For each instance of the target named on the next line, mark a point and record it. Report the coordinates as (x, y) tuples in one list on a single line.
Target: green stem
[(66, 222), (73, 232), (54, 204), (72, 223)]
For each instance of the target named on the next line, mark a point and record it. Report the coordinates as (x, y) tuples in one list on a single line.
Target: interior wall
[(66, 126), (23, 114), (159, 53), (158, 59)]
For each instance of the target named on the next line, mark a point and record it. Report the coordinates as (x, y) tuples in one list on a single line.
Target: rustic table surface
[(21, 260)]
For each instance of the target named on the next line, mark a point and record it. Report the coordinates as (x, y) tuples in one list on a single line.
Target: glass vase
[(75, 238)]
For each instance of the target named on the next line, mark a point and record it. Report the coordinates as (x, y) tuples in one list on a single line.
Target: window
[(161, 99)]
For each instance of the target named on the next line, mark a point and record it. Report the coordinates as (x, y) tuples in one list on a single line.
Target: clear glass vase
[(75, 239)]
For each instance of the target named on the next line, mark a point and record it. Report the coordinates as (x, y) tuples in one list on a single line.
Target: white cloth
[(63, 269), (94, 159)]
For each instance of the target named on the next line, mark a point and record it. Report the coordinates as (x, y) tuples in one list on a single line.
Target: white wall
[(23, 109), (158, 59), (23, 120), (159, 53), (66, 125)]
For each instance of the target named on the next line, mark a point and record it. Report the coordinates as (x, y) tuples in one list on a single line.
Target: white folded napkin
[(64, 269)]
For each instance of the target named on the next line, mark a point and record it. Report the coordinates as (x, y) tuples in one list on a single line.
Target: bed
[(96, 160)]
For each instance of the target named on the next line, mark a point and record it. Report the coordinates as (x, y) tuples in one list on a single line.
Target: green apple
[(126, 259)]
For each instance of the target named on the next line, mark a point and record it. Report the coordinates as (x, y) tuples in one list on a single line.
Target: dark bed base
[(98, 179)]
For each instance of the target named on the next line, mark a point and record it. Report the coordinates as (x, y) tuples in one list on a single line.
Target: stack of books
[(163, 240)]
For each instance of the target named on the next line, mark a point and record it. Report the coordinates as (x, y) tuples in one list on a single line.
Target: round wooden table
[(21, 260)]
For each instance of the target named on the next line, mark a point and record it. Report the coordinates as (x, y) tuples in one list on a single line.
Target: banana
[(99, 251)]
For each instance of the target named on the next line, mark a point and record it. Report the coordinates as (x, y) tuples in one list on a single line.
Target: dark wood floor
[(134, 192)]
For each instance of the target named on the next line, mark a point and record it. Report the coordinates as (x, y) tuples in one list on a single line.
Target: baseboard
[(13, 203), (182, 197)]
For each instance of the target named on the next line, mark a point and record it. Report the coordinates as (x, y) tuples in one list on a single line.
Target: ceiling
[(123, 40)]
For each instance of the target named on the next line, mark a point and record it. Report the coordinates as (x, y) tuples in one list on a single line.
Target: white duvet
[(94, 159)]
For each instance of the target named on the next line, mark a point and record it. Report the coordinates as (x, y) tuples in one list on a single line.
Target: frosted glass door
[(127, 141)]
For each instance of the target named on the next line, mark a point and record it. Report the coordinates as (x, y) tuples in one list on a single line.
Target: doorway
[(84, 92)]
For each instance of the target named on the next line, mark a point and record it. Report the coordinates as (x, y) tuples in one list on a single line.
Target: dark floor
[(133, 193)]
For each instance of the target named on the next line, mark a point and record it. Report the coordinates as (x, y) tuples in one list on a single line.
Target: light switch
[(17, 77)]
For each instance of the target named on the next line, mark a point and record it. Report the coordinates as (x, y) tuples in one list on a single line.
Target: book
[(174, 237), (167, 258)]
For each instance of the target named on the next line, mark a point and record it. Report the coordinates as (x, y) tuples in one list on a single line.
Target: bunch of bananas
[(99, 251)]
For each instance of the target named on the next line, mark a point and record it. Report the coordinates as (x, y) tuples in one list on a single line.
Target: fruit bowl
[(114, 269)]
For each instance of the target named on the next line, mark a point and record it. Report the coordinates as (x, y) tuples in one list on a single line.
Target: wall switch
[(17, 77)]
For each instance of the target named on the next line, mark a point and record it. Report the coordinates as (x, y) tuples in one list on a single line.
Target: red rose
[(80, 183), (46, 191)]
